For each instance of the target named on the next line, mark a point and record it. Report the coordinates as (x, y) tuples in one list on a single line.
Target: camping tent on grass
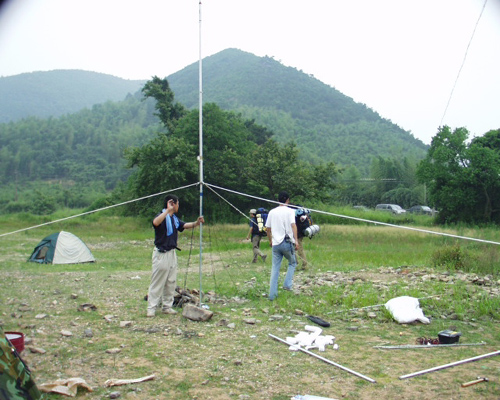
[(61, 248)]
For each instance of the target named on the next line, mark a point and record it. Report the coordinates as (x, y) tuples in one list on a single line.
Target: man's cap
[(283, 197), (253, 211)]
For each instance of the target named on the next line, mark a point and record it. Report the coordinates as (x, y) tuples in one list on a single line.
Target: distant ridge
[(234, 78), (59, 92), (326, 124)]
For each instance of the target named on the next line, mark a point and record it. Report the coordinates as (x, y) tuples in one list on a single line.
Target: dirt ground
[(232, 356)]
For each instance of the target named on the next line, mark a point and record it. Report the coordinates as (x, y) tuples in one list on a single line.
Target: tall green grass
[(122, 244), (373, 264)]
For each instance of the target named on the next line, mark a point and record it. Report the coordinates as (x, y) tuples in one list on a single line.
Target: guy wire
[(251, 220), (364, 220), (258, 198), (463, 62), (189, 258), (98, 209)]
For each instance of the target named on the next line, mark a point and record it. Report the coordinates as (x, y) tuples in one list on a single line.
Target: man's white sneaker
[(168, 311), (150, 314)]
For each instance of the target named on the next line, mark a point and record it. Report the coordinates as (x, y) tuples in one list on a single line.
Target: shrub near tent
[(61, 248)]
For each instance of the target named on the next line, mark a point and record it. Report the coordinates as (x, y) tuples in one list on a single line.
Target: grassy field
[(354, 270)]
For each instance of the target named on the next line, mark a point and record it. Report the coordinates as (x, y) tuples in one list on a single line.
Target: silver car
[(420, 210), (393, 208)]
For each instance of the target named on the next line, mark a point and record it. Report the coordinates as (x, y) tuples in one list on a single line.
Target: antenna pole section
[(200, 157)]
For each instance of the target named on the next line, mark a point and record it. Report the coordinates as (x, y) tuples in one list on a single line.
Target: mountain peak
[(295, 106)]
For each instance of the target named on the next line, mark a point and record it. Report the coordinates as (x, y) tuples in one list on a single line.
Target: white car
[(393, 208)]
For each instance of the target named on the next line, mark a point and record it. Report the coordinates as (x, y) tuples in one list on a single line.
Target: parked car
[(393, 208), (420, 210)]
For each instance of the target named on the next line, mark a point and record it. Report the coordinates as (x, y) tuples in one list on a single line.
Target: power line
[(463, 62)]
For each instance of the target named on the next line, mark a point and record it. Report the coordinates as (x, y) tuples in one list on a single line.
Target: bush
[(42, 205), (13, 207), (451, 257)]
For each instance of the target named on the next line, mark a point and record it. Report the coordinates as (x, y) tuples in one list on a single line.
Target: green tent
[(61, 248)]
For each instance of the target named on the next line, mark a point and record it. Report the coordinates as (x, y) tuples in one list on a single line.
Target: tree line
[(461, 180), (103, 159), (463, 176)]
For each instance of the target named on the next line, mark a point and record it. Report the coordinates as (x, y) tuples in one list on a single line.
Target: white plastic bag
[(406, 309)]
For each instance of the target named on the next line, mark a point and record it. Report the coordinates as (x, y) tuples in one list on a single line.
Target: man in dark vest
[(164, 277)]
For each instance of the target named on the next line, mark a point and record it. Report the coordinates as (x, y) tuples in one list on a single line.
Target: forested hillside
[(326, 124), (77, 156), (56, 93)]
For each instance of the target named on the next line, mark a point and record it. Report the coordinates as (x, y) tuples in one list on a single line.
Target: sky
[(411, 61)]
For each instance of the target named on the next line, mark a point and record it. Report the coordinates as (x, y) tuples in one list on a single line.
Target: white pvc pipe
[(324, 359), (426, 371)]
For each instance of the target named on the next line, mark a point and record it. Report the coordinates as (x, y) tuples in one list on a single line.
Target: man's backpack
[(303, 220), (261, 217)]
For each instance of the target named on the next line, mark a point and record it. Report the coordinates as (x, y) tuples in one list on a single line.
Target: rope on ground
[(368, 220), (98, 209)]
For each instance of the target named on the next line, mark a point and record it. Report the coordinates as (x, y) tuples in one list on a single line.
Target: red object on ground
[(17, 340)]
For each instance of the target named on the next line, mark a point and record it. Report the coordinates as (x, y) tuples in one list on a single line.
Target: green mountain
[(60, 92), (64, 126), (326, 124)]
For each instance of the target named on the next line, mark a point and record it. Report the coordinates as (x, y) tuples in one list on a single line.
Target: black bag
[(303, 220), (319, 321)]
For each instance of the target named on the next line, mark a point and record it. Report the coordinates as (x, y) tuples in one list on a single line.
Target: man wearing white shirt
[(282, 234)]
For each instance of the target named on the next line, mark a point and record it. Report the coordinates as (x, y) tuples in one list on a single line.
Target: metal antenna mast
[(200, 157)]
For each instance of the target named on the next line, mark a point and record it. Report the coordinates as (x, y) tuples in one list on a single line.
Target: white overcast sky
[(399, 57)]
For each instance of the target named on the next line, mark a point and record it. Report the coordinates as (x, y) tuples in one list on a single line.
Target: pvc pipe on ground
[(325, 360), (426, 371), (425, 346)]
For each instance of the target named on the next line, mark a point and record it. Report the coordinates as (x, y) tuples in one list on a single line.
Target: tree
[(274, 168), (260, 133), (484, 174), (232, 157), (351, 187), (170, 159), (463, 180), (323, 181), (163, 163), (168, 111), (395, 181)]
